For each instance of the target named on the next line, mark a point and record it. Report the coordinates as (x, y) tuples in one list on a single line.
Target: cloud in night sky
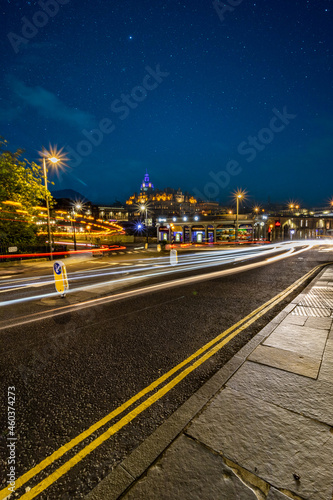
[(49, 105)]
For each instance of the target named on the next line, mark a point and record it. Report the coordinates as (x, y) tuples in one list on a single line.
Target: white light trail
[(197, 261), (139, 291)]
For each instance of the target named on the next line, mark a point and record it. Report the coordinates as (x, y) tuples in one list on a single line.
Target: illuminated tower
[(146, 186)]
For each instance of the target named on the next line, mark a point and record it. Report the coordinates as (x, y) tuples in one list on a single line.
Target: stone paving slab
[(286, 360), (300, 339), (317, 297), (317, 312), (326, 369), (320, 323), (330, 334), (311, 398), (178, 474), (293, 320), (298, 299), (270, 442)]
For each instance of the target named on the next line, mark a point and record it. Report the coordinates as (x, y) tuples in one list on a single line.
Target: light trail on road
[(162, 262), (155, 267), (186, 263), (289, 249)]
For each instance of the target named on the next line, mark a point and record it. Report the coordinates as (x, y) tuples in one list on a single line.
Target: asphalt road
[(70, 371)]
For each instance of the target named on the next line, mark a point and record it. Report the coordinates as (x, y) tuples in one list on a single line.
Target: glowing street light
[(293, 205), (239, 195), (74, 232), (88, 227), (75, 206), (53, 156), (256, 210), (52, 159), (144, 208)]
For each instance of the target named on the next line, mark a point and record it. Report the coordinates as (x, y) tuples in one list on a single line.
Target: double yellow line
[(202, 354)]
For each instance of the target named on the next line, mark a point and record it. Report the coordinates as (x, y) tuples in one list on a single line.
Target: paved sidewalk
[(265, 432)]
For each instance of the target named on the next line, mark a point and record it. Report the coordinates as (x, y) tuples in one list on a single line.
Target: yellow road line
[(249, 319), (61, 451)]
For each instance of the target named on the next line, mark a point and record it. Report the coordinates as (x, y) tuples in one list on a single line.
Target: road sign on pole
[(60, 277)]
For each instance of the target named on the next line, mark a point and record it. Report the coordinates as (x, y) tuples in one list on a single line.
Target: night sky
[(190, 90)]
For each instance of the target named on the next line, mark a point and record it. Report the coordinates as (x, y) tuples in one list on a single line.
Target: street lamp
[(73, 221), (52, 159), (78, 207), (255, 222), (88, 229), (239, 195), (145, 208)]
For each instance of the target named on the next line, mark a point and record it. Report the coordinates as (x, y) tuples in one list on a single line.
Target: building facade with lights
[(251, 227), (166, 202)]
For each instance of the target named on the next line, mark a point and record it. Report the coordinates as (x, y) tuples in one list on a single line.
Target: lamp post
[(88, 229), (255, 222), (144, 208), (239, 196), (73, 225), (53, 160), (78, 206)]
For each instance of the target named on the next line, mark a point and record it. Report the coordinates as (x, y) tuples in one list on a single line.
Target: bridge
[(201, 229)]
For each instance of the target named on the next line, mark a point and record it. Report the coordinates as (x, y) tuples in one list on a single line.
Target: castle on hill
[(168, 201)]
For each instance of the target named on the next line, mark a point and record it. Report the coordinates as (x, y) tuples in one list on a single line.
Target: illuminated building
[(168, 202), (146, 185)]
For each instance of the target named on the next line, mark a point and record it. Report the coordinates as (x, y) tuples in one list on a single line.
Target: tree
[(21, 190)]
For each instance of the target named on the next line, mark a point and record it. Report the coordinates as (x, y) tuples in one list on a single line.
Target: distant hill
[(70, 194)]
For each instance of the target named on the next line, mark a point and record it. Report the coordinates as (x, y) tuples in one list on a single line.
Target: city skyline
[(230, 200), (208, 97)]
